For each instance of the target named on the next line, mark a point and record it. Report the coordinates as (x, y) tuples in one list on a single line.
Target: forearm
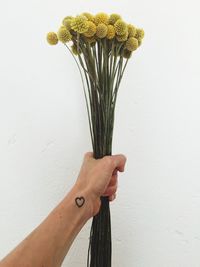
[(48, 244)]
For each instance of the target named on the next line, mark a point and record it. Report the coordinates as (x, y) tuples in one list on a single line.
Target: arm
[(49, 243)]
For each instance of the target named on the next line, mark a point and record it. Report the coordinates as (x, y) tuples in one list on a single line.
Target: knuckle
[(108, 161)]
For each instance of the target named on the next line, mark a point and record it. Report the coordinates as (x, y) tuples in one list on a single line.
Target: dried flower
[(64, 35), (131, 30), (126, 53), (139, 34), (101, 30), (113, 18), (52, 38), (92, 28), (80, 24), (131, 44), (67, 22), (111, 32), (122, 38), (89, 16), (101, 18), (120, 27)]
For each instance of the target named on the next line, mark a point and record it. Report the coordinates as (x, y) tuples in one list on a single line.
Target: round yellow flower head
[(101, 18), (139, 34), (126, 53), (111, 32), (64, 35), (101, 30), (131, 44), (52, 38), (113, 18), (67, 22), (79, 24), (122, 38), (92, 28), (120, 27), (89, 16), (131, 30)]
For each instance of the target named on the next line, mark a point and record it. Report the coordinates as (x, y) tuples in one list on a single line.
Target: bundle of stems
[(102, 47), (103, 66)]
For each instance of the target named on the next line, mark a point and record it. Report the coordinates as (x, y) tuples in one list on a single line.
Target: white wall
[(44, 130)]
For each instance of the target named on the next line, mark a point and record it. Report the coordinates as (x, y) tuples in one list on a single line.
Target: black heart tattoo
[(80, 201)]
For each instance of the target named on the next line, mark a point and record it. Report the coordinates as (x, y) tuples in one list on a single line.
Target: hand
[(99, 177)]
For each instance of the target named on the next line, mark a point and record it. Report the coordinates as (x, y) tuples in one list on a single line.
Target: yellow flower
[(131, 44), (131, 30), (67, 22), (92, 28), (122, 38), (79, 24), (120, 27), (89, 16), (101, 18), (52, 38), (111, 32), (126, 53), (101, 30), (139, 34), (113, 18), (64, 35)]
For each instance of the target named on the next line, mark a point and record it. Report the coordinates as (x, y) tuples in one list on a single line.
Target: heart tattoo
[(80, 201)]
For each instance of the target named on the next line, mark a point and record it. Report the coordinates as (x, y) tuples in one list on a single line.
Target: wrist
[(83, 200)]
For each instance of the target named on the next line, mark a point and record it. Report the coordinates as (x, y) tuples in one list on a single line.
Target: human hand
[(99, 177)]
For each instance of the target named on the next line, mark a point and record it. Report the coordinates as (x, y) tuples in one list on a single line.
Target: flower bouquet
[(101, 46)]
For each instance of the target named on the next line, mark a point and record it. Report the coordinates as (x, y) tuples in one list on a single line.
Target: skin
[(48, 244)]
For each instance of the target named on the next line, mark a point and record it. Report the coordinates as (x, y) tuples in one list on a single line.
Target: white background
[(44, 130)]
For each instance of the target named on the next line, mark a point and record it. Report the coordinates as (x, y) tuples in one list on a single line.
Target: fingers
[(119, 162), (110, 190), (113, 180), (115, 162)]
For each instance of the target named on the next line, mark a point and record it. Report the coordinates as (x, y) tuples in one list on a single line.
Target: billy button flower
[(131, 44), (52, 38), (131, 30), (89, 16), (111, 32), (79, 24), (101, 18), (64, 35), (126, 54), (139, 34), (113, 18), (122, 38), (92, 28), (120, 27), (67, 22), (101, 30)]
